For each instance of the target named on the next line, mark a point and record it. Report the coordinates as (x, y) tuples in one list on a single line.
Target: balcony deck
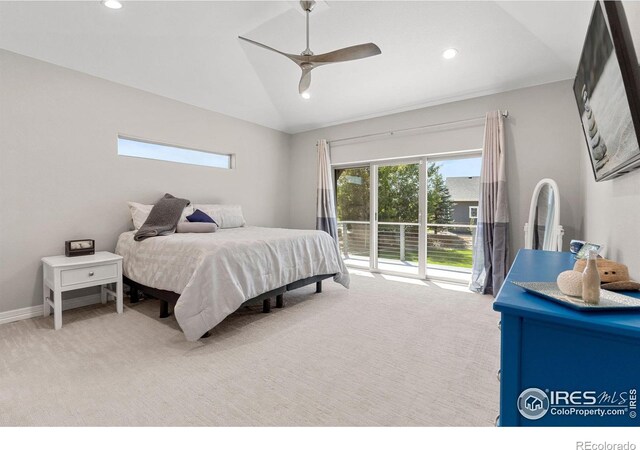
[(449, 248), (448, 273)]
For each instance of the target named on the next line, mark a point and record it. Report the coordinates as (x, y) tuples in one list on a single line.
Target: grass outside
[(450, 257), (440, 256)]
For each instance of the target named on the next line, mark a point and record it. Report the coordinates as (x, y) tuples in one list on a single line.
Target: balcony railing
[(448, 245)]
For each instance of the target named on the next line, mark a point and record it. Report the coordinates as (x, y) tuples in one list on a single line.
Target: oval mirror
[(543, 230)]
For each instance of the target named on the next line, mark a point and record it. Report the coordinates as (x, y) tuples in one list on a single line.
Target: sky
[(149, 150), (467, 167)]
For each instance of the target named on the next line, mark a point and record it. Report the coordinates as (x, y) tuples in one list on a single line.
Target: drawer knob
[(90, 274), (498, 375), (500, 325), (497, 422)]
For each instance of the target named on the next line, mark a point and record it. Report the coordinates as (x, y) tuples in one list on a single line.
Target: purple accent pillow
[(199, 216)]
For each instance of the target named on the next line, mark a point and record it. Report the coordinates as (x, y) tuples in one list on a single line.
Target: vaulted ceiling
[(190, 51)]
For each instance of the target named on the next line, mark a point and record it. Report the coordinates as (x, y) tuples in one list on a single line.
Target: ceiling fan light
[(112, 4), (449, 53), (306, 95)]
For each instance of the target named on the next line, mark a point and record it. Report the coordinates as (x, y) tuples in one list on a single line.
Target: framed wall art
[(607, 90)]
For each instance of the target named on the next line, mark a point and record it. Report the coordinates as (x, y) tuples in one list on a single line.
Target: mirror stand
[(543, 230)]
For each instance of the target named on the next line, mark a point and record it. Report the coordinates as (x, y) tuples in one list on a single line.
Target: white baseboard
[(36, 311)]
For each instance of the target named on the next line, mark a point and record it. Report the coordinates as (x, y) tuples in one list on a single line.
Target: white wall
[(543, 140), (612, 215), (61, 178)]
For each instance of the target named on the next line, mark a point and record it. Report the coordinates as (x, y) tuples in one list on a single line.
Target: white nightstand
[(62, 273)]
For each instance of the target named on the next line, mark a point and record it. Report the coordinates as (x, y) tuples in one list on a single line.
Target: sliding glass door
[(398, 218), (353, 202), (453, 190), (412, 216)]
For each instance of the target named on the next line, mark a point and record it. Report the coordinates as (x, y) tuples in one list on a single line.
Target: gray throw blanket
[(163, 218)]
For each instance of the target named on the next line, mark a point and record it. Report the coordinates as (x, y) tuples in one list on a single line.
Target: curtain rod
[(504, 113)]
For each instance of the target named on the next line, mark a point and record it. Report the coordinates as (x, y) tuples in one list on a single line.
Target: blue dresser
[(559, 366)]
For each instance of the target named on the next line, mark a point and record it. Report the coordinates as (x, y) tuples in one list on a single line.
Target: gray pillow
[(196, 227)]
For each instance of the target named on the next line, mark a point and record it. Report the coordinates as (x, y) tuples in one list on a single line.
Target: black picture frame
[(608, 83), (631, 9), (79, 247)]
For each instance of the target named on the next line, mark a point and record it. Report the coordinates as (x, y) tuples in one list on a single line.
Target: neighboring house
[(465, 192)]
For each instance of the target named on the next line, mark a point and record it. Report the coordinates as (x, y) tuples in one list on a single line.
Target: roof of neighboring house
[(464, 189)]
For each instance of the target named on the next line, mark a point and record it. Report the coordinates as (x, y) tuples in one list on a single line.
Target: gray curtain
[(326, 207), (491, 246)]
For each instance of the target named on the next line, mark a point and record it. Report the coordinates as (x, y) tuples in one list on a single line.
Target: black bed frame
[(168, 297)]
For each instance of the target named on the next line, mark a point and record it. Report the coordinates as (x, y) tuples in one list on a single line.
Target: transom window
[(162, 152)]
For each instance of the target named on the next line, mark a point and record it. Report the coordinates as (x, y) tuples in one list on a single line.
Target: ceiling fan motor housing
[(307, 5)]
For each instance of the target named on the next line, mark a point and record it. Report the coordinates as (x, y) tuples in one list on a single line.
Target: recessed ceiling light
[(306, 95), (449, 53), (113, 4)]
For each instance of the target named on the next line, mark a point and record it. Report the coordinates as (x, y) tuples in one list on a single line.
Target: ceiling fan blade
[(305, 79), (295, 58), (346, 54)]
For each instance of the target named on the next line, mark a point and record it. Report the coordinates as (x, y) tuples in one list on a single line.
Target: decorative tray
[(608, 300)]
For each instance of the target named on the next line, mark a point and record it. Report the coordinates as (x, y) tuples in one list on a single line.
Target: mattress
[(215, 273)]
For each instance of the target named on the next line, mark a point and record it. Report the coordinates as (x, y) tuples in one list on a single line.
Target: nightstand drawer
[(86, 274)]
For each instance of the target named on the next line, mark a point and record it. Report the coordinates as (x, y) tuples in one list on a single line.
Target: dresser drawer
[(87, 274)]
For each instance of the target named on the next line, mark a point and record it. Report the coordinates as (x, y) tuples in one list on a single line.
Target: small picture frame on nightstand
[(80, 247)]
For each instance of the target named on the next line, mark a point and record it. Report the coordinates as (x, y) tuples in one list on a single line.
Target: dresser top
[(539, 265), (68, 261)]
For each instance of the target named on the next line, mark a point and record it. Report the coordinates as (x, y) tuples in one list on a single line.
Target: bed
[(210, 275)]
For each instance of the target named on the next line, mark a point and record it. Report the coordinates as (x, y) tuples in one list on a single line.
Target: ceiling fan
[(307, 61)]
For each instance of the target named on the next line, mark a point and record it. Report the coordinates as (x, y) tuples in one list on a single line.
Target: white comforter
[(214, 273)]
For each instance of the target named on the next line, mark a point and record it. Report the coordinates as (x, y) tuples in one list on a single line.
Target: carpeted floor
[(384, 352)]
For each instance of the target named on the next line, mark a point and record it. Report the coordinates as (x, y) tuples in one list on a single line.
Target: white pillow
[(196, 227), (227, 216), (140, 212)]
